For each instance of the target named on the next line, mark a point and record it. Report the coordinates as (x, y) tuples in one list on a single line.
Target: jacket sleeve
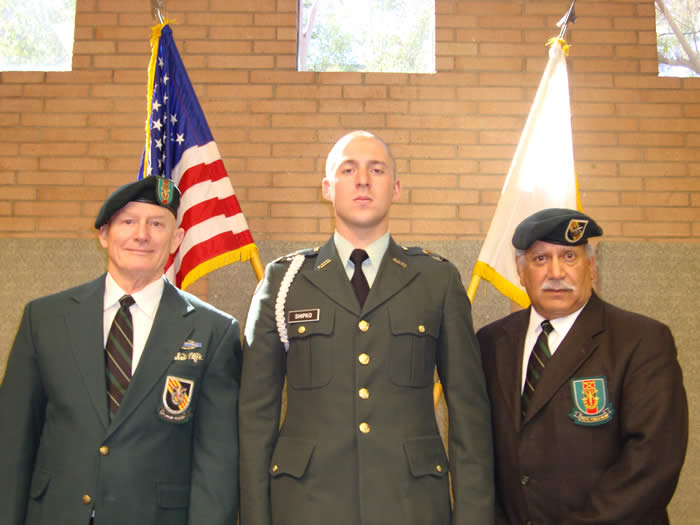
[(654, 436), (261, 397), (22, 407), (469, 412), (214, 492)]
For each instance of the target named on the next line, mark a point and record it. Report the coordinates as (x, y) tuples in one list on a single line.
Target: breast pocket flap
[(428, 325), (303, 329)]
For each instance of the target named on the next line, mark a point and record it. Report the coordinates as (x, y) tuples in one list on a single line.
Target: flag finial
[(568, 18)]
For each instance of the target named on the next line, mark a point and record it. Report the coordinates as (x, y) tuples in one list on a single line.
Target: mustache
[(557, 284)]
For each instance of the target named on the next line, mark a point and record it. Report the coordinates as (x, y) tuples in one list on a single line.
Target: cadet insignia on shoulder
[(177, 398), (592, 405)]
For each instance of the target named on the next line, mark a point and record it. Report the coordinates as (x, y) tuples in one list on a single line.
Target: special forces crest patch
[(592, 405), (177, 398), (165, 191), (575, 230)]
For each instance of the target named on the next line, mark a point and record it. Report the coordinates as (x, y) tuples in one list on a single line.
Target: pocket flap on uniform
[(426, 456), (427, 324), (291, 457), (321, 323), (173, 495), (40, 480)]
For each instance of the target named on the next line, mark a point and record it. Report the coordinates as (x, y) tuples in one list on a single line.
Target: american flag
[(180, 146)]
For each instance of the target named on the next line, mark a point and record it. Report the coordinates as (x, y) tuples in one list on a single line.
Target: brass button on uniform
[(104, 450), (364, 428), (363, 325), (86, 499), (438, 468), (363, 359), (275, 468), (301, 329), (421, 328), (363, 393)]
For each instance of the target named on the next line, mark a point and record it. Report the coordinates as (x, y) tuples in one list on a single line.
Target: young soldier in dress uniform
[(590, 415), (119, 401), (358, 343)]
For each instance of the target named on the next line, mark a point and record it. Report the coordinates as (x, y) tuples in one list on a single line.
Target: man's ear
[(102, 235), (176, 239), (397, 190), (327, 189)]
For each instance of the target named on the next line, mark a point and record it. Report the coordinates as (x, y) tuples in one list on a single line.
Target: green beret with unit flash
[(152, 190), (557, 226)]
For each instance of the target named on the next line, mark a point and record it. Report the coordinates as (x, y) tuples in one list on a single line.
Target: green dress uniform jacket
[(62, 457), (619, 463), (360, 444)]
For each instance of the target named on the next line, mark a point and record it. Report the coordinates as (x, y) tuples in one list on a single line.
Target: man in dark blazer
[(165, 451), (359, 444), (592, 428)]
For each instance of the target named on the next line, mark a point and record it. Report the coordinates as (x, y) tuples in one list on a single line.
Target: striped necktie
[(118, 354), (535, 366)]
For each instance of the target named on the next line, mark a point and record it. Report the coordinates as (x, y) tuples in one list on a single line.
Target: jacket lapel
[(510, 363), (84, 328), (395, 272), (170, 329), (328, 275), (576, 347)]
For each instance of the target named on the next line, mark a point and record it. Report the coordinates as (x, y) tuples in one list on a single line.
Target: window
[(366, 35), (36, 35), (678, 37)]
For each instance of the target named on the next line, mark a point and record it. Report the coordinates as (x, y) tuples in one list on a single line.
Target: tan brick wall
[(68, 139)]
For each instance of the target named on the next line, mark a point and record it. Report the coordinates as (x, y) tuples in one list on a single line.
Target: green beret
[(555, 225), (152, 190)]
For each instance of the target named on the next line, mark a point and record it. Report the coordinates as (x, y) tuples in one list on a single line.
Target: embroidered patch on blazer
[(177, 398), (592, 404), (301, 316)]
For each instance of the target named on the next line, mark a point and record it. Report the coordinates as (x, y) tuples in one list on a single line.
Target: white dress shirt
[(143, 312), (561, 326)]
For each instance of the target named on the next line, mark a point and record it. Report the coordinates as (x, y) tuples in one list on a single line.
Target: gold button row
[(364, 428), (363, 359), (363, 393)]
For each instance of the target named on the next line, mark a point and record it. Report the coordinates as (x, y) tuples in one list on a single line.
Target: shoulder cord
[(293, 269)]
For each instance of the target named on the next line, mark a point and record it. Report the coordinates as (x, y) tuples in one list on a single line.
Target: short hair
[(338, 147)]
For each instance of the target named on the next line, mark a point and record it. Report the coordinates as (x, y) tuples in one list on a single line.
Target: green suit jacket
[(359, 443), (62, 457)]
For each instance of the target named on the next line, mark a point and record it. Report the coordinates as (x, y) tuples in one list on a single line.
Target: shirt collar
[(561, 325), (147, 298), (376, 250)]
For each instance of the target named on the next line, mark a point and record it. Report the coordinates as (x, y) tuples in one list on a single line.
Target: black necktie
[(535, 366), (359, 281), (118, 355)]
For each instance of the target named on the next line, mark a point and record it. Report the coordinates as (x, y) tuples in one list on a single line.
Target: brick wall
[(68, 139)]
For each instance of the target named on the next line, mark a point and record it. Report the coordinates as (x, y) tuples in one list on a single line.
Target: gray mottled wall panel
[(660, 280)]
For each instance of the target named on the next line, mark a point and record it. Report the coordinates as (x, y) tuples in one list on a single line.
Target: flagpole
[(257, 265), (473, 287)]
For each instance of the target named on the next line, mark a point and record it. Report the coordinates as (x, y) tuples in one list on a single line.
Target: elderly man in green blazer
[(119, 401), (357, 327)]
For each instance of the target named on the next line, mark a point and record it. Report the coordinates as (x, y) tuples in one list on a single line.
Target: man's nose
[(362, 177)]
